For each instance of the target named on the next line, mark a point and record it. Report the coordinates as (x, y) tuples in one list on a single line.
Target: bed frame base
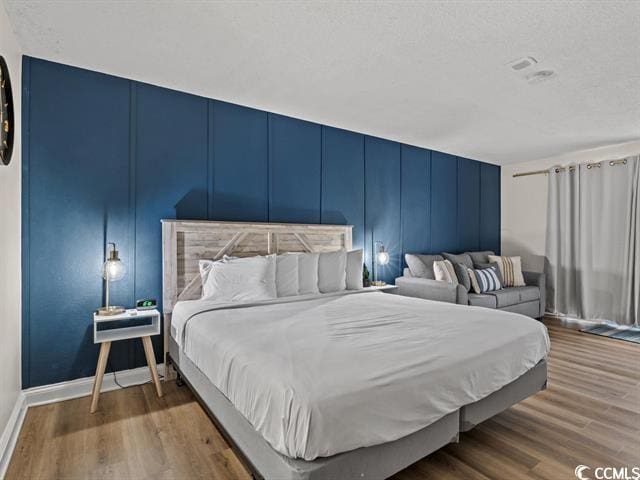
[(528, 384), (369, 463), (263, 462), (181, 382)]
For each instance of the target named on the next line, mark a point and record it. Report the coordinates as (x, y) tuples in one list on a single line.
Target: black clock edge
[(9, 95)]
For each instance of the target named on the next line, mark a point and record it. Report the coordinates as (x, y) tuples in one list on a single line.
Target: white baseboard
[(58, 392), (11, 431), (82, 387)]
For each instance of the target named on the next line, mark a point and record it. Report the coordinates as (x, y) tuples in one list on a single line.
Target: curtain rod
[(622, 161)]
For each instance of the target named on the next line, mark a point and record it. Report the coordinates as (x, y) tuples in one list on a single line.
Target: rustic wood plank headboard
[(185, 242)]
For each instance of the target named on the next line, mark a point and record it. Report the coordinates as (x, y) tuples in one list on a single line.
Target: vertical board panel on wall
[(25, 223), (382, 189), (78, 197), (416, 200), (490, 207), (444, 202), (343, 180), (295, 170), (240, 163), (170, 151), (468, 205)]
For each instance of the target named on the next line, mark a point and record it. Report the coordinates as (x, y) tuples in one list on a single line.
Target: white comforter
[(332, 373)]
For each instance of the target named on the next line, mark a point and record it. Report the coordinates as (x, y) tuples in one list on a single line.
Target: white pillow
[(205, 267), (287, 275), (308, 273), (332, 271), (242, 279), (354, 270), (443, 271)]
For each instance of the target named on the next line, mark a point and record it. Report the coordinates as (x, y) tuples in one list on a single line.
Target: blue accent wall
[(240, 148), (468, 205), (489, 207), (295, 160), (444, 202), (343, 181), (106, 158), (416, 199), (382, 203)]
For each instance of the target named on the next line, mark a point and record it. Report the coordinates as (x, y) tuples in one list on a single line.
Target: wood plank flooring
[(589, 415)]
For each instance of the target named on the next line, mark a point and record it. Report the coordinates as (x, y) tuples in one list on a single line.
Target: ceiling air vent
[(541, 76), (522, 63), (529, 70)]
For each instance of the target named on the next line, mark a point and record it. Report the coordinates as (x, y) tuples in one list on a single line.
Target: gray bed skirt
[(375, 462)]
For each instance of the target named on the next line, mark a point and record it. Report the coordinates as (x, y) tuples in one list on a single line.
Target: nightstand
[(105, 336)]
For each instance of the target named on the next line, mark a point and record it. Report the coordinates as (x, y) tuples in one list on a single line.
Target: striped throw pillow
[(510, 269), (484, 280)]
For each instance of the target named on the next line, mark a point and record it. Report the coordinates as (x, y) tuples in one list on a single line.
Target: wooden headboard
[(185, 242)]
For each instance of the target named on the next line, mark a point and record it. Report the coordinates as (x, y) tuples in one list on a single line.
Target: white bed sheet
[(325, 374)]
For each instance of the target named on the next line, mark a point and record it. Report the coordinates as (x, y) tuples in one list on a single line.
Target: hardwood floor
[(134, 434), (589, 415)]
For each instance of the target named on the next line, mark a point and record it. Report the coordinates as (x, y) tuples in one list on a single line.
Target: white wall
[(10, 281), (524, 202)]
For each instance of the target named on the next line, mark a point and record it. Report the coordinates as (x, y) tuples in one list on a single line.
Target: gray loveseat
[(528, 300)]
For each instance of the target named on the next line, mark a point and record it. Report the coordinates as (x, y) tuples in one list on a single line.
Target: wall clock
[(6, 114)]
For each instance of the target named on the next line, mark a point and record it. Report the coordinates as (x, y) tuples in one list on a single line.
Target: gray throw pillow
[(480, 258), (462, 258), (463, 275), (421, 265)]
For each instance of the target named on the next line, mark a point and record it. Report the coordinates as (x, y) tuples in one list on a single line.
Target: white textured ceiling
[(429, 73)]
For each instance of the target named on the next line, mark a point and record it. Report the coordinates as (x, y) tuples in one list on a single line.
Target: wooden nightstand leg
[(97, 382), (151, 361)]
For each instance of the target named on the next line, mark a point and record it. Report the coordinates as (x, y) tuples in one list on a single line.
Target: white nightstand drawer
[(124, 333)]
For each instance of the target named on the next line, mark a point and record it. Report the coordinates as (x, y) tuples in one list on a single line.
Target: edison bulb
[(113, 270), (383, 258)]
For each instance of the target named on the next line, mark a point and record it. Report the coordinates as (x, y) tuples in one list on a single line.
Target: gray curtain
[(593, 241)]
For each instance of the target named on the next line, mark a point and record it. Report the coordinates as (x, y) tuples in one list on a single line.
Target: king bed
[(349, 384)]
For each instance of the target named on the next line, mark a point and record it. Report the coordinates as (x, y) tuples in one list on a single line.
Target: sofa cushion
[(427, 289), (480, 258), (530, 309), (528, 294), (515, 295), (462, 258), (421, 265), (482, 300), (506, 297)]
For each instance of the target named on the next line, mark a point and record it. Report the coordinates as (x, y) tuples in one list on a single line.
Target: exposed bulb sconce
[(381, 257)]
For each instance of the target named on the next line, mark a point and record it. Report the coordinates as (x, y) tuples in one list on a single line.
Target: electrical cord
[(115, 377)]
